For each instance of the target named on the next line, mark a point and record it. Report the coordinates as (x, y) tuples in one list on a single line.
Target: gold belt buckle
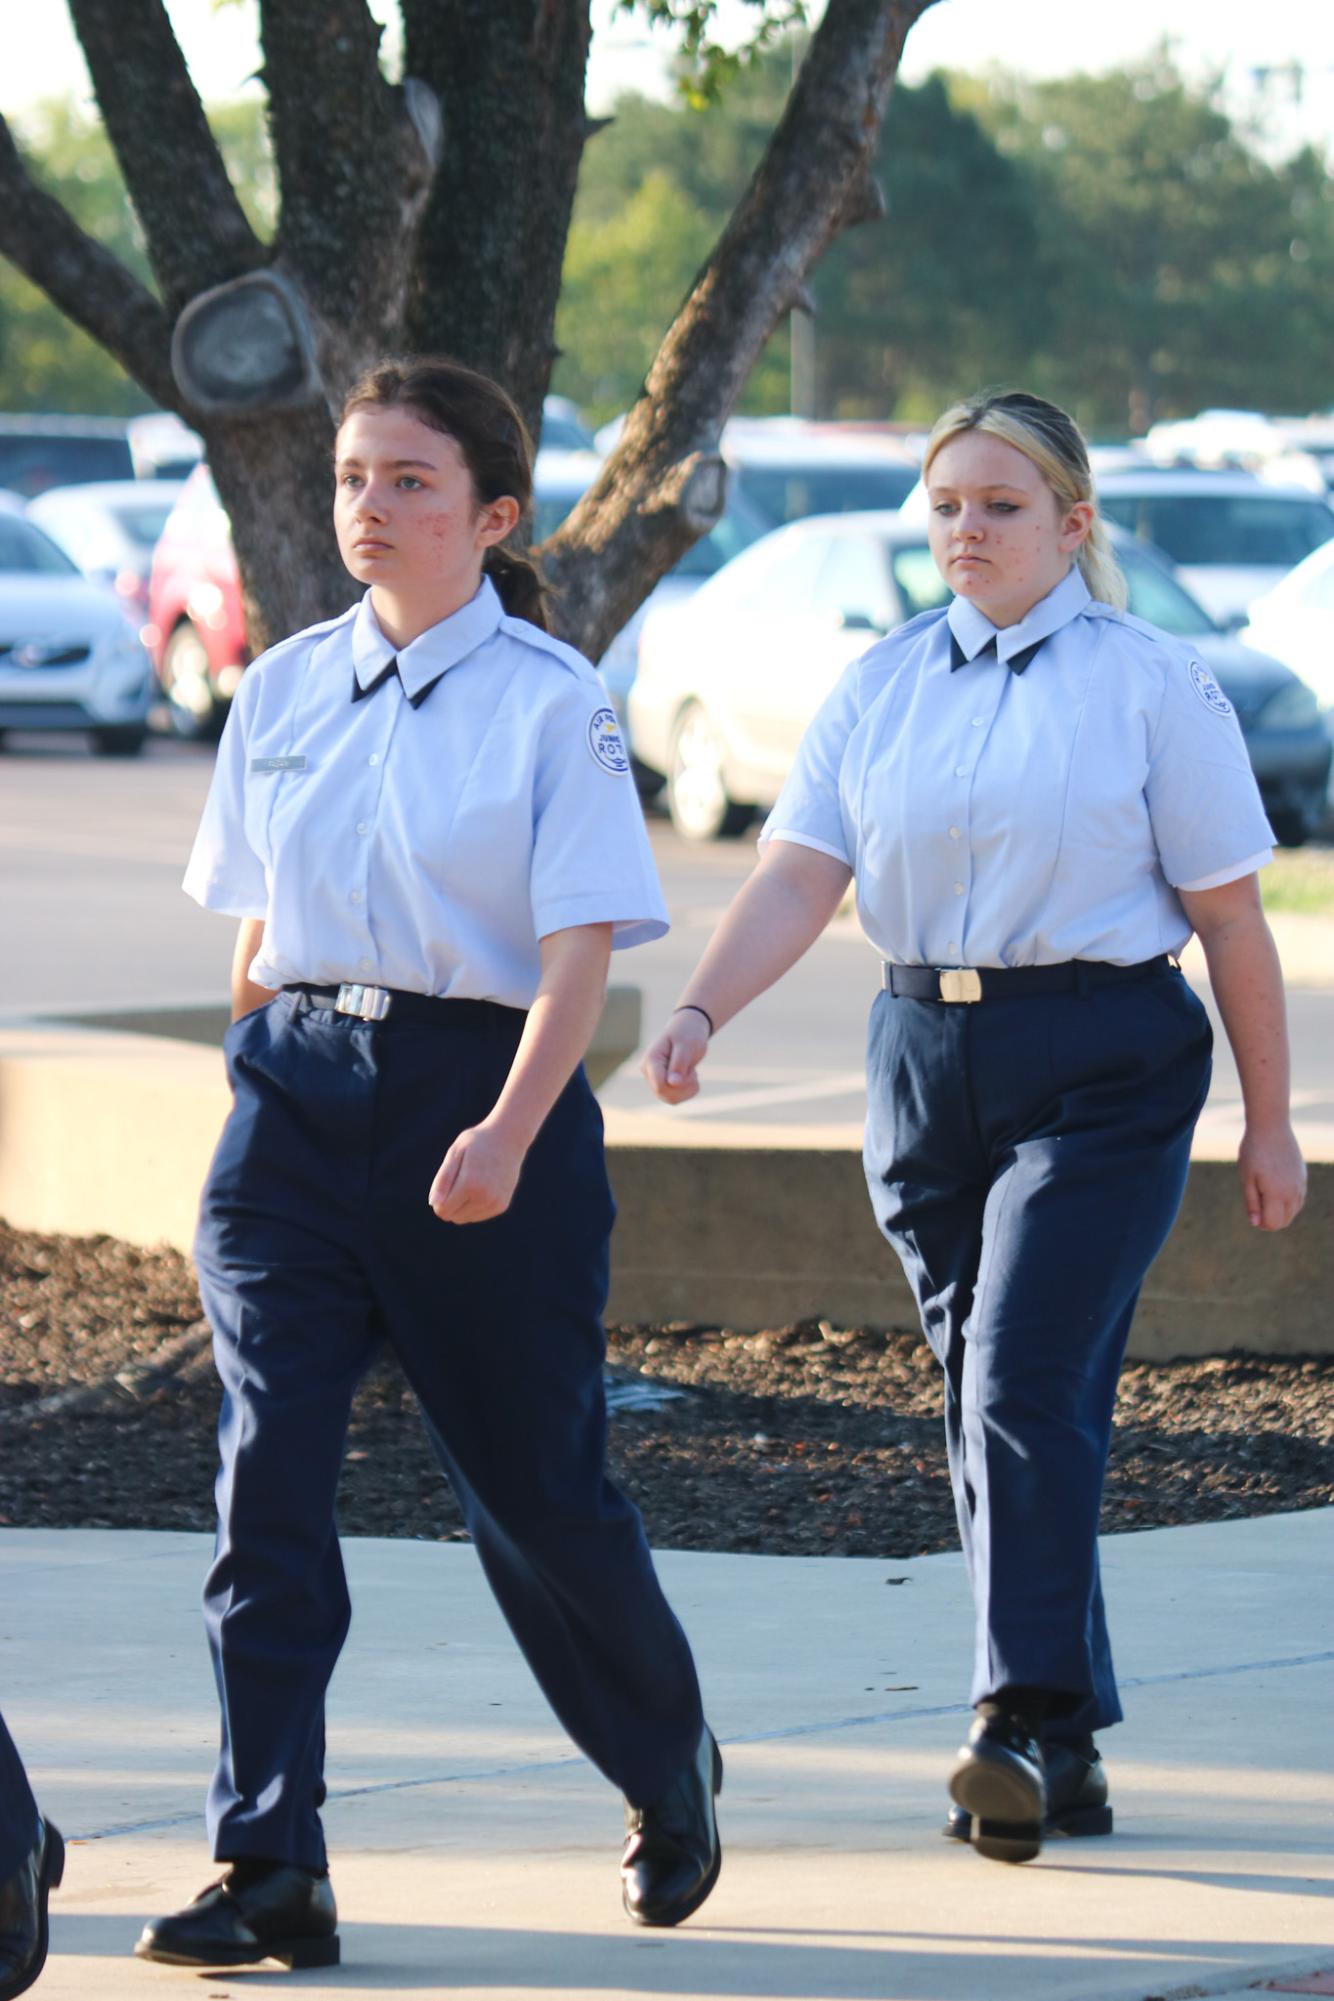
[(960, 983), (371, 1003)]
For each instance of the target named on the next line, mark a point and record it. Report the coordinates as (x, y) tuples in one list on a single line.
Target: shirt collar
[(975, 632), (431, 655)]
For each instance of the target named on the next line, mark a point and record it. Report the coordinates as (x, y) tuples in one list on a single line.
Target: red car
[(196, 623)]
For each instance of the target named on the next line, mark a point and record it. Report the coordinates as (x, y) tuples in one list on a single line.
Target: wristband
[(689, 1007)]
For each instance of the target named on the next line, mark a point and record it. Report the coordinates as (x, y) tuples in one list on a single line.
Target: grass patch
[(1300, 879)]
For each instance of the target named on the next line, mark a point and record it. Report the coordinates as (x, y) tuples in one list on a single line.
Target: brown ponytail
[(485, 425)]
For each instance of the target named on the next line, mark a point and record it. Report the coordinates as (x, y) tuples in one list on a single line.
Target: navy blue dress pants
[(1026, 1158), (315, 1243), (18, 1808)]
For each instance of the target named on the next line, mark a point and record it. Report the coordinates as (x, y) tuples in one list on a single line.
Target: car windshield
[(791, 492), (1242, 530), (143, 520), (919, 582), (25, 552), (33, 464)]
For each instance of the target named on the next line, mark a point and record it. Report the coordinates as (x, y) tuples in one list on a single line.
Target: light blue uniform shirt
[(431, 847), (995, 818)]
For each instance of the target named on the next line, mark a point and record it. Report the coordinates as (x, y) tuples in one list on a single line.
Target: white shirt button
[(978, 722), (366, 965), (961, 771), (954, 833), (958, 889), (953, 948), (374, 757), (363, 826), (355, 896)]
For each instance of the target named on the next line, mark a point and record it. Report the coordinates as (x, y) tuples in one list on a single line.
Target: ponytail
[(519, 584), (1099, 568)]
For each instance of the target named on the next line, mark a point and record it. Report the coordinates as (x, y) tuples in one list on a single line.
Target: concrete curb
[(103, 1131)]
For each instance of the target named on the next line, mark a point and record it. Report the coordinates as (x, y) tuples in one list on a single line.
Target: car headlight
[(1292, 708)]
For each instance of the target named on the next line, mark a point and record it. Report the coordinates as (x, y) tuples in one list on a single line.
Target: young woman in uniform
[(1040, 798), (423, 815)]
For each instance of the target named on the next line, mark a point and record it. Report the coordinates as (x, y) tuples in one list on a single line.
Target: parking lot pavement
[(474, 1853)]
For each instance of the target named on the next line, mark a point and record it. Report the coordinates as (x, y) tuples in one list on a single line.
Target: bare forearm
[(775, 917), (558, 1031), (1247, 982), (246, 996)]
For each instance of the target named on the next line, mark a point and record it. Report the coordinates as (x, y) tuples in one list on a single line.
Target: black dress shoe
[(1077, 1801), (1000, 1781), (254, 1913), (23, 1926), (672, 1851)]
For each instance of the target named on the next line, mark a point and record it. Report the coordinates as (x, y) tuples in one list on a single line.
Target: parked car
[(110, 528), (786, 468), (69, 659), (1295, 622), (728, 682), (1231, 537), (196, 618)]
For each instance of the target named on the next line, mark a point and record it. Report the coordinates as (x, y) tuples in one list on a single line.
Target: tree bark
[(654, 494), (510, 76)]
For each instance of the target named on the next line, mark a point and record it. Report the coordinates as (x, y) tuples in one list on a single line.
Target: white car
[(1295, 622), (69, 659), (728, 682), (1231, 537), (110, 528)]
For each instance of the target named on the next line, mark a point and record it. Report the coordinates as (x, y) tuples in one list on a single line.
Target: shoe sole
[(705, 1889), (1076, 1822), (293, 1953), (1002, 1802), (50, 1876)]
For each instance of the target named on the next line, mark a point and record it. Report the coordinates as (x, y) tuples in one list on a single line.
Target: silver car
[(69, 659)]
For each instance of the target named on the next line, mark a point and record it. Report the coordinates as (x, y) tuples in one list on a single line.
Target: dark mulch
[(803, 1441)]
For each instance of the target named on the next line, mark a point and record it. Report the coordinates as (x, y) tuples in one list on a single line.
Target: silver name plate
[(277, 764)]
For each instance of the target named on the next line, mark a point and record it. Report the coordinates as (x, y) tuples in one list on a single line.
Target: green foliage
[(46, 363), (707, 68), (1113, 241)]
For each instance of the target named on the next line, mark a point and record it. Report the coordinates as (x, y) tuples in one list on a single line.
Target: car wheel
[(125, 741), (701, 807), (187, 684), (1290, 829)]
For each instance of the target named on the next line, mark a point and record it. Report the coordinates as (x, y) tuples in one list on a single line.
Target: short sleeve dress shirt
[(429, 833), (1002, 818)]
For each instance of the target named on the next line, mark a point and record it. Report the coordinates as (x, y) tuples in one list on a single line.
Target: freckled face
[(405, 513), (997, 531)]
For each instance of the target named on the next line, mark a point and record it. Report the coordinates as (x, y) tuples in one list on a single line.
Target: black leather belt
[(975, 983), (393, 1003)]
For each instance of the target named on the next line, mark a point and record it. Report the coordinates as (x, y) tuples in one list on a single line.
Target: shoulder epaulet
[(547, 642), (308, 636)]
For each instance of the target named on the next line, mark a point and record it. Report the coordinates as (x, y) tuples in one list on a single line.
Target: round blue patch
[(605, 741), (1208, 689)]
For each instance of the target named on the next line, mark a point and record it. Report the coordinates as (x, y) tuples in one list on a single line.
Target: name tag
[(277, 764)]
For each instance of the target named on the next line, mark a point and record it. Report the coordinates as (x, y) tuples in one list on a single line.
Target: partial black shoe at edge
[(287, 1914), (24, 1933), (999, 1780), (1077, 1802), (672, 1852)]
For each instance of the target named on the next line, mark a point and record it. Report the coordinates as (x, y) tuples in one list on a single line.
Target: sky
[(1256, 47)]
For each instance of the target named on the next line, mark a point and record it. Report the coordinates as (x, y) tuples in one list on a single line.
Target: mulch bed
[(806, 1440)]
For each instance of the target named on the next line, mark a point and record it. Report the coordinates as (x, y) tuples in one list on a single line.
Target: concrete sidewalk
[(475, 1854)]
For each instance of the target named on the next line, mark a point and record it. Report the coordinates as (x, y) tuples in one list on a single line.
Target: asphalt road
[(91, 855)]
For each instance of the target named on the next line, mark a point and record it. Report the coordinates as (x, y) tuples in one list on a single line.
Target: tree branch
[(813, 181), (196, 230), (353, 165), (90, 286)]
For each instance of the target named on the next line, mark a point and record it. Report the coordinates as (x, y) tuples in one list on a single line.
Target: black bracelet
[(689, 1007)]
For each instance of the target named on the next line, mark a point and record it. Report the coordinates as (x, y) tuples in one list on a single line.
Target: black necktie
[(359, 693), (1016, 662)]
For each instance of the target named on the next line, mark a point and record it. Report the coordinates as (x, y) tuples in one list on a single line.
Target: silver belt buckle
[(371, 1003), (960, 983)]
